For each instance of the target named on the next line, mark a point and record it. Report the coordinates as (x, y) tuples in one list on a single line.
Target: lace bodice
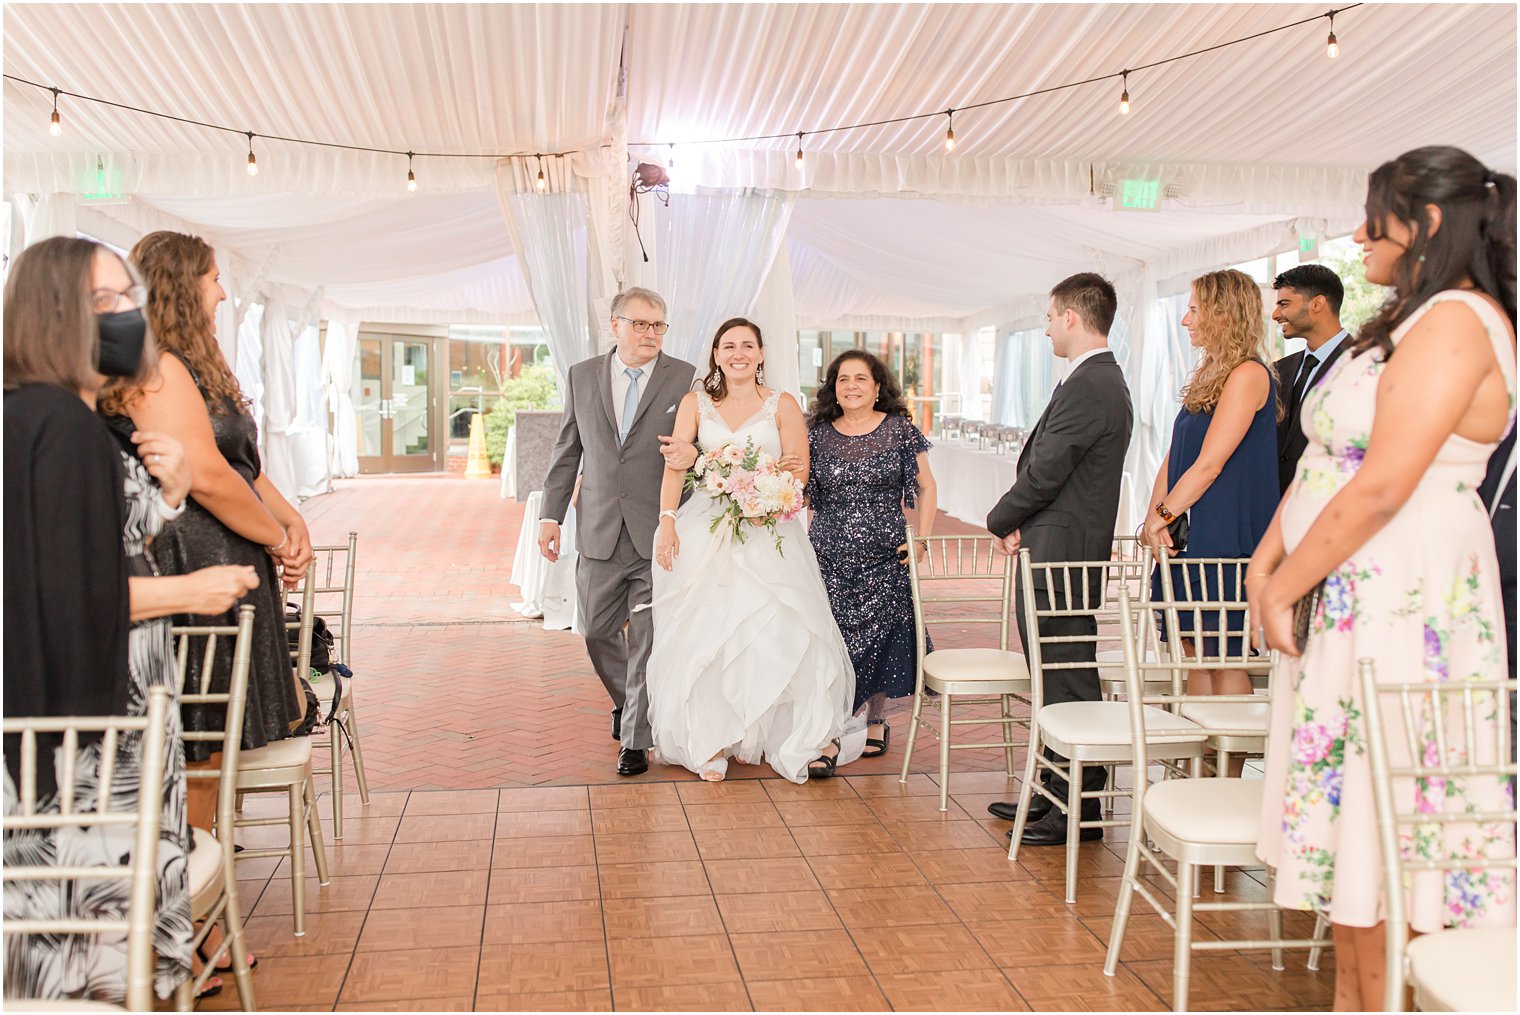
[(761, 428)]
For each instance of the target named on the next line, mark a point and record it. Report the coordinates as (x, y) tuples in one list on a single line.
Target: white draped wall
[(550, 233), (713, 253), (337, 382)]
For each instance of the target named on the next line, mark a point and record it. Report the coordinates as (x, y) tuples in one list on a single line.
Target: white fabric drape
[(549, 230), (1033, 376), (776, 314), (292, 435), (337, 381), (1005, 379), (712, 255)]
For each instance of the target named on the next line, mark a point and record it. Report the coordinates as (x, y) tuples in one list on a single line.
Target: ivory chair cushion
[(204, 864), (66, 1004), (1106, 723), (291, 752), (1229, 715), (968, 665), (1222, 812), (1464, 970)]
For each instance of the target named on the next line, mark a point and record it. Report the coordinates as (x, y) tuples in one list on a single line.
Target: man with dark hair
[(1308, 306), (1063, 506), (1498, 494)]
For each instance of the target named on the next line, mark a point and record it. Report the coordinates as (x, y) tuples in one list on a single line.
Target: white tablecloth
[(548, 589), (970, 481)]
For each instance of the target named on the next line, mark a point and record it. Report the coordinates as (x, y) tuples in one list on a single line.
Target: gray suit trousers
[(608, 590)]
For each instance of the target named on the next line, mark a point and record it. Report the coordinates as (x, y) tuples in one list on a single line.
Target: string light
[(670, 162), (1332, 48), (950, 131), (411, 177), (253, 162), (55, 127), (799, 149), (542, 183), (1124, 97)]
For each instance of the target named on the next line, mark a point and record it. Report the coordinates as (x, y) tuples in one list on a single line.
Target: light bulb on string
[(799, 149), (1332, 48), (253, 162), (950, 131), (670, 160), (55, 126), (542, 183), (1124, 97), (411, 177)]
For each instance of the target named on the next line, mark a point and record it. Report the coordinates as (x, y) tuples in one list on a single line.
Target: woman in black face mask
[(81, 601)]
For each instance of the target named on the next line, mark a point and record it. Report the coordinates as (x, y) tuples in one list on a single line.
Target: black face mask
[(122, 337)]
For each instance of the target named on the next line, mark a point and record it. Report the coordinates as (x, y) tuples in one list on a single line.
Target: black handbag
[(1178, 530), (1303, 615)]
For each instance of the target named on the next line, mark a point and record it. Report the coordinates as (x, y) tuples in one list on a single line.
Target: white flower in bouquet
[(750, 486)]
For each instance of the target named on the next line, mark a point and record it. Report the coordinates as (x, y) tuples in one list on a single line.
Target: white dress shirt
[(621, 380), (1071, 367)]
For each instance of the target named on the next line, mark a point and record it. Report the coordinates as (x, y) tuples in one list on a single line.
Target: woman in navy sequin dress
[(869, 464)]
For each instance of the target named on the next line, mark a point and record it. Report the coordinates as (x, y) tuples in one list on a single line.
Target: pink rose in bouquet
[(750, 486)]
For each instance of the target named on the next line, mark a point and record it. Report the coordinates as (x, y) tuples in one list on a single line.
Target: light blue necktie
[(630, 400)]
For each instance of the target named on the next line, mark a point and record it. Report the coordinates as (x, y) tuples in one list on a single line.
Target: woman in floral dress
[(1385, 509)]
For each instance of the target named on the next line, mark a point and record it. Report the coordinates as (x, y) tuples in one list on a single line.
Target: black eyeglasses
[(659, 327), (105, 301)]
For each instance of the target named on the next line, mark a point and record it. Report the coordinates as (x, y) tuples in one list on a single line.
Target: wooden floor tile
[(899, 906), (777, 911), (621, 820), (381, 805), (782, 791), (744, 843), (1146, 937), (545, 851), (439, 888), (326, 934), (960, 990), (958, 866), (740, 814), (730, 791), (528, 922), (1217, 983), (833, 993), (340, 894), (430, 857), (515, 824), (356, 831), (771, 874), (410, 1004), (824, 840), (546, 798), (281, 983), (647, 880), (888, 786), (640, 847), (866, 870), (547, 967), (1000, 783), (1005, 900), (915, 808), (344, 859), (542, 884), (573, 1000), (671, 916), (801, 813), (1083, 988), (469, 801), (631, 794), (1037, 943), (416, 929), (801, 954), (920, 949), (446, 827), (929, 835), (702, 997), (399, 975), (672, 961)]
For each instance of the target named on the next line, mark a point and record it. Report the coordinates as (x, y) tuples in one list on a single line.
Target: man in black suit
[(1063, 506), (1308, 306), (1498, 493)]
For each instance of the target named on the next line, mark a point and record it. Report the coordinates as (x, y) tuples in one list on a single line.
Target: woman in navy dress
[(1221, 468), (869, 464)]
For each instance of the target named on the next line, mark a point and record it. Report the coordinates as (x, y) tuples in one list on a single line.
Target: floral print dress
[(1420, 598)]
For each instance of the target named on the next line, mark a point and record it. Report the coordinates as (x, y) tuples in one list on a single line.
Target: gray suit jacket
[(621, 482), (1065, 497)]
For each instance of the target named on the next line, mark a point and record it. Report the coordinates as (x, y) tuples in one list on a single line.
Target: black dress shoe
[(1051, 830), (617, 724), (632, 762), (1038, 808)]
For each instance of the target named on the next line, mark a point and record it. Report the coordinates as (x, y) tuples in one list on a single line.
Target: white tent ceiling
[(1261, 139)]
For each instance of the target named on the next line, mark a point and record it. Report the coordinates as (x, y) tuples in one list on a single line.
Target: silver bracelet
[(667, 514)]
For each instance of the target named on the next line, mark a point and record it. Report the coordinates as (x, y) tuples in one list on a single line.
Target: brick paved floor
[(501, 866)]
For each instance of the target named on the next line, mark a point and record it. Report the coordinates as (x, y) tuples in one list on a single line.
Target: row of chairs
[(285, 766), (1196, 822)]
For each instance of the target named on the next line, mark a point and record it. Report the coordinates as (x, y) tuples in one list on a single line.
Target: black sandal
[(876, 748), (827, 761)]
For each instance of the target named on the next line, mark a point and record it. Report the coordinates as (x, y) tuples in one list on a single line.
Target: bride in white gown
[(747, 660)]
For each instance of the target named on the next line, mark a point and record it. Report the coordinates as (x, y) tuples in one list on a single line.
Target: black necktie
[(1301, 383)]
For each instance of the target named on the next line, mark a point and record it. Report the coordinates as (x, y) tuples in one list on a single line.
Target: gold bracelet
[(1255, 577), (1165, 513)]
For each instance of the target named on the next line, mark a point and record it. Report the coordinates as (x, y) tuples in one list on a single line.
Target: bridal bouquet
[(750, 486)]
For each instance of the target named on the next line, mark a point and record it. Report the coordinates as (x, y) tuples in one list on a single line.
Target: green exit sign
[(1139, 195), (101, 185), (1308, 248)]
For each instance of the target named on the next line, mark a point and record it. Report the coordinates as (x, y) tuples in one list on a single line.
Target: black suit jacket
[(1291, 439), (1065, 496), (1504, 533)]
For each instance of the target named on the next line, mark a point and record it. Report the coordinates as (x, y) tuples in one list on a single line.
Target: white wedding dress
[(747, 659)]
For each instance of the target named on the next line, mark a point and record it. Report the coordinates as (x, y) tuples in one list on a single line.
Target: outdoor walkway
[(500, 865)]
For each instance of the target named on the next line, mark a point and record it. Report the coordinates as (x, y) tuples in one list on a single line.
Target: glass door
[(396, 398)]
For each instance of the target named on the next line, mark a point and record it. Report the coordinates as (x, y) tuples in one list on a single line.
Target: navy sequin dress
[(857, 489)]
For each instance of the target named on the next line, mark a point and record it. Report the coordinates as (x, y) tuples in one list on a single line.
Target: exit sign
[(1308, 248), (1139, 195)]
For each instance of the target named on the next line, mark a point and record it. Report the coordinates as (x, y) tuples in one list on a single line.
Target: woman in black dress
[(234, 516), (869, 464)]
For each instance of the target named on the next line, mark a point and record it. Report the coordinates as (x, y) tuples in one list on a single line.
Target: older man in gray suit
[(617, 408)]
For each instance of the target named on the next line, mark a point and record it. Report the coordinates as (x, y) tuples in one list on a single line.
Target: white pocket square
[(670, 410)]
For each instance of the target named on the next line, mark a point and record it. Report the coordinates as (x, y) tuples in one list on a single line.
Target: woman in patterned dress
[(1385, 510), (869, 463)]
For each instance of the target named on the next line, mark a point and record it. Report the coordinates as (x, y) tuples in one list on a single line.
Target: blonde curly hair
[(1231, 322)]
